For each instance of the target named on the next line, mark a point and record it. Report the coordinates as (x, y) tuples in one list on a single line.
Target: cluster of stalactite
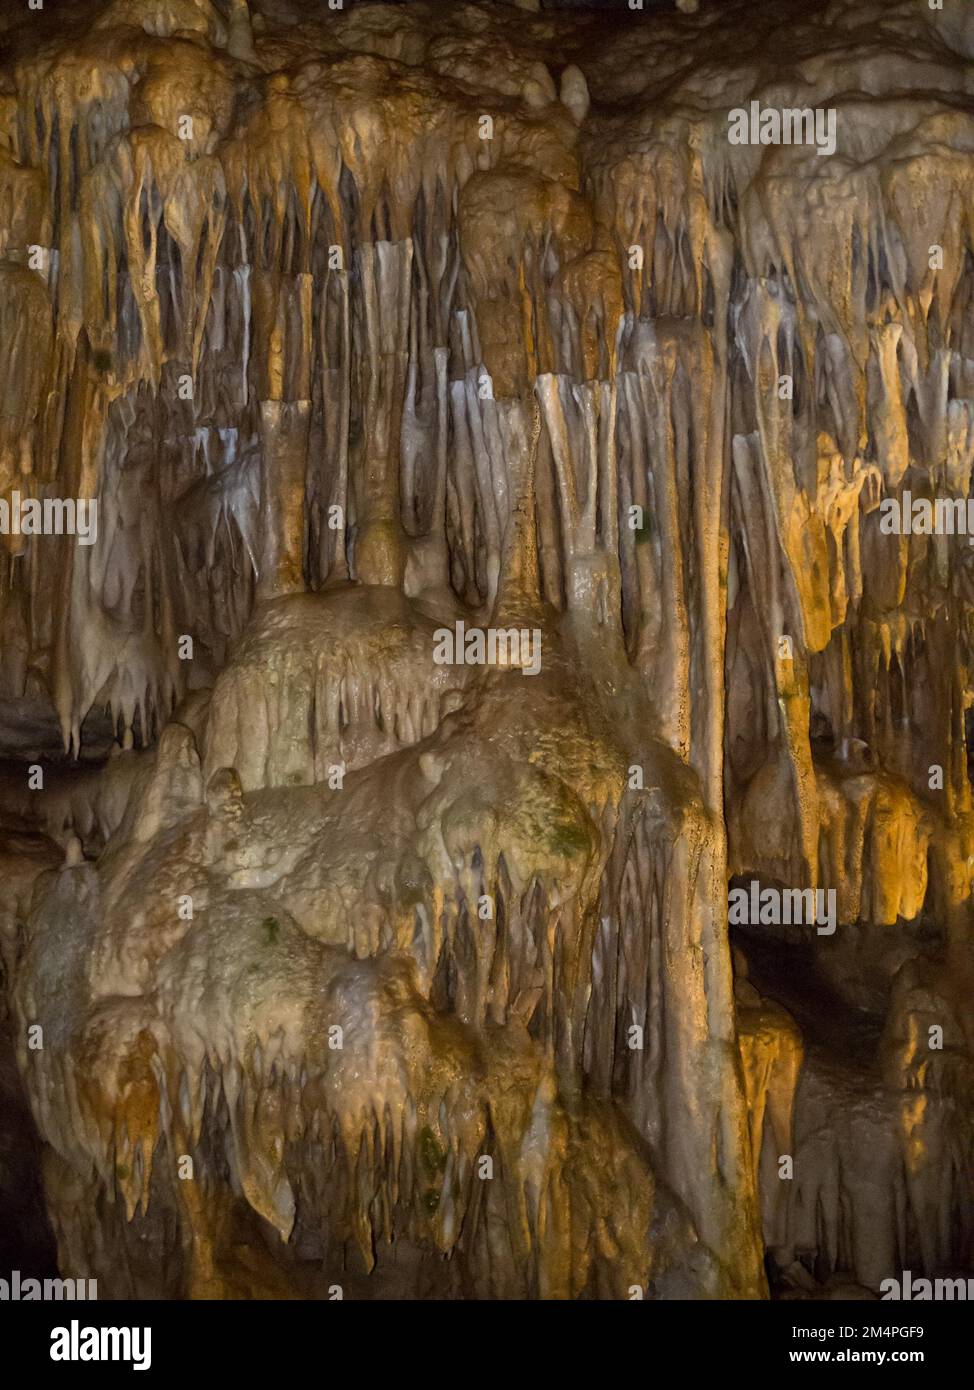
[(361, 323)]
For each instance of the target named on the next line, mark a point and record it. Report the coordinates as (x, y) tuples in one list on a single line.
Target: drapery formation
[(362, 324)]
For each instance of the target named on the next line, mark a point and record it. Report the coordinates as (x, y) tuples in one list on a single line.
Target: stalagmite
[(504, 426)]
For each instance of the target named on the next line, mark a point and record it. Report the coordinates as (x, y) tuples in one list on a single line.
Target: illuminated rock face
[(380, 939)]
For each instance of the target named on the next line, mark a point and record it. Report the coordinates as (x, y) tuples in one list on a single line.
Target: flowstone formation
[(486, 807)]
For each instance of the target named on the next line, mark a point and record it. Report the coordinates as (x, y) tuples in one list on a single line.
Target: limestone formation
[(493, 413)]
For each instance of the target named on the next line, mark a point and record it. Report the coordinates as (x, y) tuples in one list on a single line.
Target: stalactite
[(370, 330)]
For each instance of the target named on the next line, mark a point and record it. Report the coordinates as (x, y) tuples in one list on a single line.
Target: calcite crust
[(332, 964)]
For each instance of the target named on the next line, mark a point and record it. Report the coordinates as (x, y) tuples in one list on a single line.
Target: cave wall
[(361, 323)]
